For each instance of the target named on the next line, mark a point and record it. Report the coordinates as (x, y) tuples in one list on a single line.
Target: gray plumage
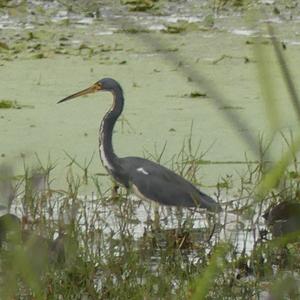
[(157, 183)]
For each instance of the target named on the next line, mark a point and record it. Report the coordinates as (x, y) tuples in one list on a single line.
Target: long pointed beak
[(92, 89)]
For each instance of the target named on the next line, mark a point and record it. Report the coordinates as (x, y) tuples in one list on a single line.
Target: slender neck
[(108, 157)]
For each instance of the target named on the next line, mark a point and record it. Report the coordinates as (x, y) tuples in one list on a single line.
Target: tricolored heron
[(147, 179)]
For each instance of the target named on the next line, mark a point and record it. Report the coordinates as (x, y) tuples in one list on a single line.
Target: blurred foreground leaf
[(202, 285)]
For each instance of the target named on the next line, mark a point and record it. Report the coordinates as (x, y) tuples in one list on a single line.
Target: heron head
[(109, 84), (105, 84)]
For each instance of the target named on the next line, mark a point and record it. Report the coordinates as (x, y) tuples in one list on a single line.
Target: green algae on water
[(6, 104)]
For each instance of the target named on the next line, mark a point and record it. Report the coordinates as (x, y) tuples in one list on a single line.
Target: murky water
[(160, 108)]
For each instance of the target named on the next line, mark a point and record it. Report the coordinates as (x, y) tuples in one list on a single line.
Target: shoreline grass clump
[(117, 247)]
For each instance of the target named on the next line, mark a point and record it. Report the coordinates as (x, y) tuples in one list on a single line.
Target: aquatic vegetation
[(4, 104), (139, 5), (195, 94), (4, 46), (221, 4), (181, 26)]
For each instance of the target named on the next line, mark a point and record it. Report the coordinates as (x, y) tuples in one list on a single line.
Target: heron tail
[(209, 203)]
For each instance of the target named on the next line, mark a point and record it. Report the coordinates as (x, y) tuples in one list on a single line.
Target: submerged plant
[(8, 104)]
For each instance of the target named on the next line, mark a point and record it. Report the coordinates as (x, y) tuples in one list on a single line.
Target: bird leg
[(156, 222), (114, 192)]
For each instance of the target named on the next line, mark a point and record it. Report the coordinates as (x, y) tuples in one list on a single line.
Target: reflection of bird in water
[(147, 179), (283, 218)]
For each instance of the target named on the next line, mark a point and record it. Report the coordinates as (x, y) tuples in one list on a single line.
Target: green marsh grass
[(111, 251)]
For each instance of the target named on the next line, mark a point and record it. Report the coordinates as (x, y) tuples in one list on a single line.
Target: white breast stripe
[(103, 158), (142, 171)]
